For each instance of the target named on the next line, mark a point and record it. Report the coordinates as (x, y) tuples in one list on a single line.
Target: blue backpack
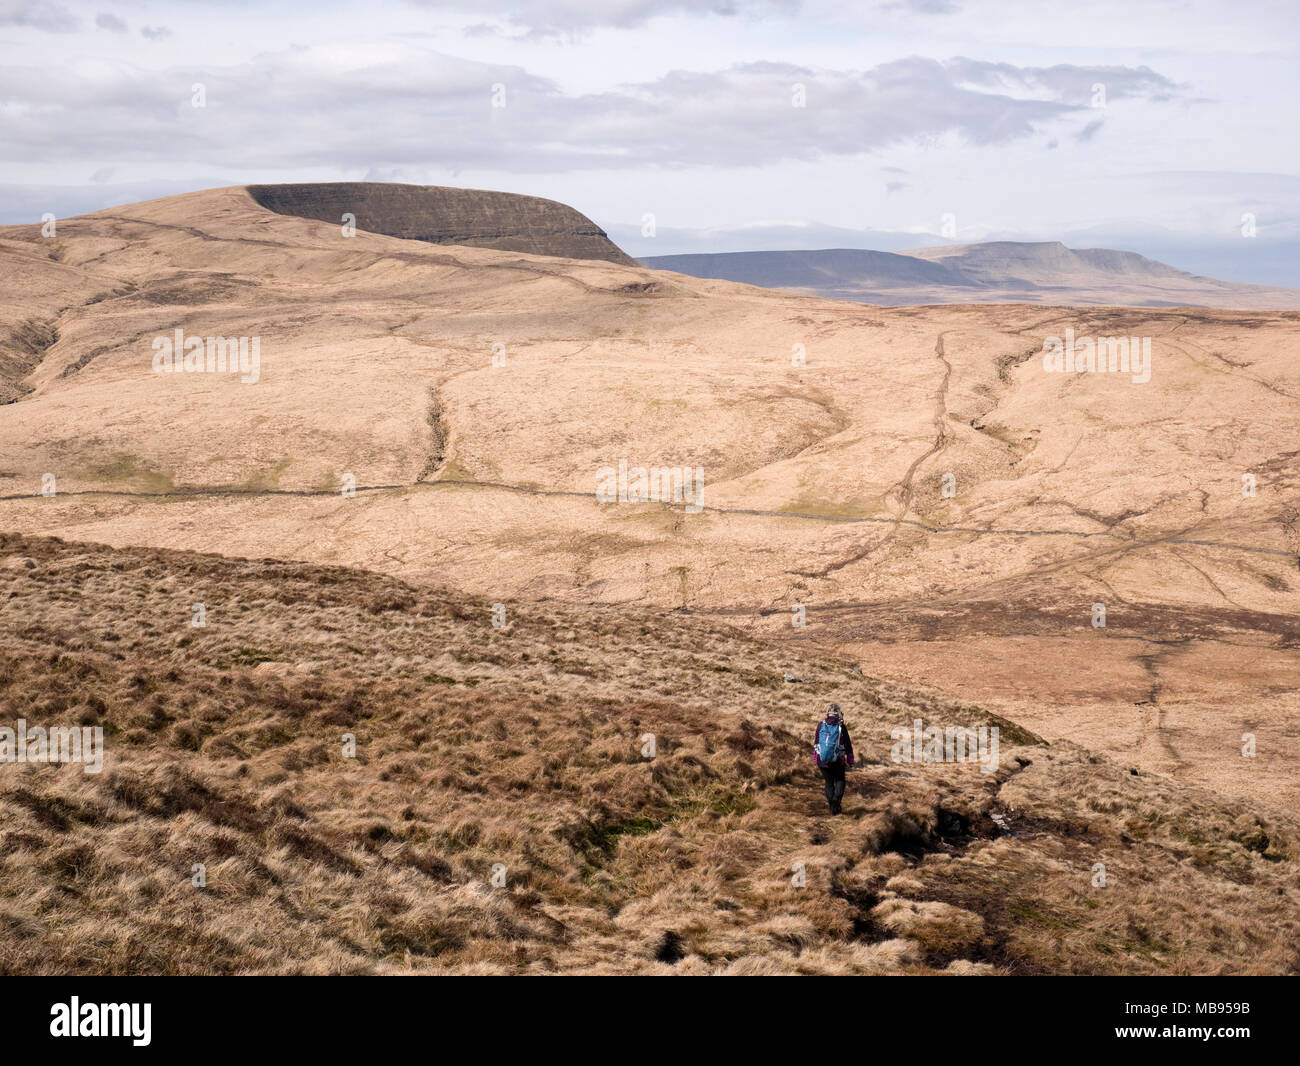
[(829, 749)]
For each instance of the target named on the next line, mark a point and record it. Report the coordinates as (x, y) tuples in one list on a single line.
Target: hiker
[(833, 751)]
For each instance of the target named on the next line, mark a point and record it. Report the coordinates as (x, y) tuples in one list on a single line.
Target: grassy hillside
[(523, 746)]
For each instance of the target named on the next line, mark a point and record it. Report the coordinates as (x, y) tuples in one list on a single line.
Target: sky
[(1165, 127)]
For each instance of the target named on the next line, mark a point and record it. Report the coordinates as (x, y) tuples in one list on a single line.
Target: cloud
[(381, 107), (107, 21), (1089, 131), (38, 15), (155, 33), (1064, 82), (924, 7), (560, 18)]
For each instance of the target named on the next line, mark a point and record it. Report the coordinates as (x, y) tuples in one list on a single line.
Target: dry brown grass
[(522, 746)]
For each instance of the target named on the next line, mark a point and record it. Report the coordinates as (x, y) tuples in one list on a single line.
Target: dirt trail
[(1154, 746), (1129, 543), (906, 488), (439, 435)]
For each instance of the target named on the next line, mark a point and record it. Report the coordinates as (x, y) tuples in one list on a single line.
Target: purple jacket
[(844, 740)]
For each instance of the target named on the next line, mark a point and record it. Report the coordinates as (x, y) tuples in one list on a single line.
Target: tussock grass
[(515, 755)]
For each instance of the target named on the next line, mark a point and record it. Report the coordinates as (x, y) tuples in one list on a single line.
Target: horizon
[(681, 130), (694, 242)]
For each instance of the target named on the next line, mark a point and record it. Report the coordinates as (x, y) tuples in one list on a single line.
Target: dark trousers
[(834, 777)]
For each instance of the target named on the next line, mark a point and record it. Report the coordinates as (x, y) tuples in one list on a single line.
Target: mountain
[(989, 272), (1047, 263), (474, 218), (812, 271)]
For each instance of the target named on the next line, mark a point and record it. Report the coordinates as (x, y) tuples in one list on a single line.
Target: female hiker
[(833, 751)]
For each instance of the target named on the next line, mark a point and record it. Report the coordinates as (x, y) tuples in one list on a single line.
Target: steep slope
[(584, 790), (477, 218)]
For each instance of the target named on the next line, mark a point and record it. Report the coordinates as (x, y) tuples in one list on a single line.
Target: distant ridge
[(990, 272), (1041, 262), (813, 269), (442, 215)]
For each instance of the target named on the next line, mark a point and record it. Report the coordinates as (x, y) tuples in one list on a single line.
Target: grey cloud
[(155, 33), (1089, 131), (292, 109), (481, 29), (555, 18), (106, 20), (924, 7), (37, 14)]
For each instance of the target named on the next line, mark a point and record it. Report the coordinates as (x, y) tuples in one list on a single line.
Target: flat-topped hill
[(478, 218)]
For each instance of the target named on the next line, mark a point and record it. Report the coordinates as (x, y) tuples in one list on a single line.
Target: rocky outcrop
[(441, 215)]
